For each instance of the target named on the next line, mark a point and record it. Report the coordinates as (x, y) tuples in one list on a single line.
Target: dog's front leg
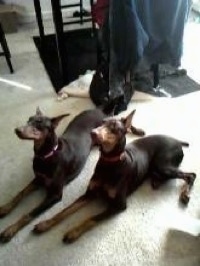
[(187, 187), (88, 224), (189, 178), (117, 204), (7, 208), (10, 231), (48, 224)]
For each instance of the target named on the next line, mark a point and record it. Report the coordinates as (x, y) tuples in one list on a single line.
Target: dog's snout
[(93, 133)]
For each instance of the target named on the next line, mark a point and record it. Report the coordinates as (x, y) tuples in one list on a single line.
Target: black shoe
[(84, 12)]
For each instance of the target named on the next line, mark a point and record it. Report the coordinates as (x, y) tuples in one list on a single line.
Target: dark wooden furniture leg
[(81, 12), (39, 19), (6, 51), (62, 54)]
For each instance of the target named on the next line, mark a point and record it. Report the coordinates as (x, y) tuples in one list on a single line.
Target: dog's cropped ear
[(56, 120), (128, 120), (38, 111)]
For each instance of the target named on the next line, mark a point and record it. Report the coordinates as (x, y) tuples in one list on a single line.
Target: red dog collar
[(51, 152)]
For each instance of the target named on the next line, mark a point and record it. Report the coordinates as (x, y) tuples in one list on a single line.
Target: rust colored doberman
[(57, 160), (121, 169)]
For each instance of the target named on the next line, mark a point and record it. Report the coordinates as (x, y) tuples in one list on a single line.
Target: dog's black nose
[(18, 131)]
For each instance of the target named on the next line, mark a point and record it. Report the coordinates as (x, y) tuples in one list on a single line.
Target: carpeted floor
[(154, 230), (145, 234)]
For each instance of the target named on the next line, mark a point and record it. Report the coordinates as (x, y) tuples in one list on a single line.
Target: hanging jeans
[(136, 29)]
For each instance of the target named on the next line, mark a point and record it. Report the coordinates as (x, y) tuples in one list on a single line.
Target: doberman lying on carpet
[(121, 169), (56, 161)]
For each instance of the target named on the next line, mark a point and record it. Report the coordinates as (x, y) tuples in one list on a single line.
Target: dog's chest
[(44, 170), (110, 173), (107, 177)]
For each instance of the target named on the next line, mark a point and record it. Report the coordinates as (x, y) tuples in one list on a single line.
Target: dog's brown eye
[(34, 130)]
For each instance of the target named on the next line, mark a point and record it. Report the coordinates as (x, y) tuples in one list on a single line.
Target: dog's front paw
[(71, 236), (140, 132), (192, 179), (40, 228), (137, 131), (184, 198), (7, 235), (62, 95)]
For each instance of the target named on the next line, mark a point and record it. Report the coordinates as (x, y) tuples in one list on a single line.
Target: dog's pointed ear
[(38, 111), (56, 120), (128, 119)]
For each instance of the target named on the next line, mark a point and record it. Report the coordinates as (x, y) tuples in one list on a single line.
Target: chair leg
[(93, 22), (5, 48), (81, 11), (9, 64), (8, 56), (60, 41)]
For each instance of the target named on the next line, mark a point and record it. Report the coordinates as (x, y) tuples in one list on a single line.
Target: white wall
[(28, 5)]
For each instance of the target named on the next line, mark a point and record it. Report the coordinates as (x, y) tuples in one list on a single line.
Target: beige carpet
[(149, 232)]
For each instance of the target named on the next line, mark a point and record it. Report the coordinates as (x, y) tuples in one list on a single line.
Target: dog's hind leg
[(88, 224), (156, 180), (7, 208), (47, 224), (187, 187), (137, 131), (171, 172)]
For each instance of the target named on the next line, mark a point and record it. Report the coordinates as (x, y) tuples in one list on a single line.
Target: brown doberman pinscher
[(57, 160), (121, 169)]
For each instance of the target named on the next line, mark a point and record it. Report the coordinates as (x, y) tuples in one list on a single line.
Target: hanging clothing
[(147, 28), (142, 29)]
